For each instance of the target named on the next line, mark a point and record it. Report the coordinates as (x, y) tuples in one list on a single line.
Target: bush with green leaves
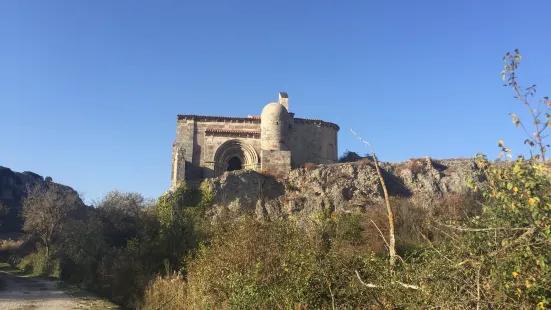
[(497, 258), (280, 264), (47, 210), (125, 241), (182, 224), (40, 264), (113, 250)]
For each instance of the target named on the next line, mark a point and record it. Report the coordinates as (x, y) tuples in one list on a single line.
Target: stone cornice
[(213, 131), (223, 119), (317, 122), (251, 120)]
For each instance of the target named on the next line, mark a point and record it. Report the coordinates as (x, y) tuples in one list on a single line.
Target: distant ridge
[(13, 186)]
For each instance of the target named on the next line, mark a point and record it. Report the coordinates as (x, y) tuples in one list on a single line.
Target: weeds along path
[(26, 293)]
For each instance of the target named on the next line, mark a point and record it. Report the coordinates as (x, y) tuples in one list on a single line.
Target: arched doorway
[(234, 164), (234, 154)]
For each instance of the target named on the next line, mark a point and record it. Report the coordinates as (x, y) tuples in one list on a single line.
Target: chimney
[(284, 100)]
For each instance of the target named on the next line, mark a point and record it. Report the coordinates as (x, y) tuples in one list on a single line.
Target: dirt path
[(26, 293)]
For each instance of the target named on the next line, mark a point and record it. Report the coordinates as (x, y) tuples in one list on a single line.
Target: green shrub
[(38, 264), (271, 265), (124, 242)]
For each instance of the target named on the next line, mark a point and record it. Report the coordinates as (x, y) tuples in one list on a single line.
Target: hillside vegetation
[(318, 240)]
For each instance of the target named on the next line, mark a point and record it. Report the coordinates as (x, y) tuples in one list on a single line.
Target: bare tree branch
[(380, 232), (371, 285), (481, 229), (392, 235)]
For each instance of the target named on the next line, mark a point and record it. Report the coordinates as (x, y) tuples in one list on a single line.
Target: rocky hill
[(13, 187), (305, 191), (340, 187)]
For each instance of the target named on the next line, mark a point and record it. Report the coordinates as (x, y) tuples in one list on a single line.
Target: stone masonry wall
[(276, 163), (275, 127), (313, 143), (182, 147), (193, 149), (191, 135), (178, 166), (209, 144), (213, 142)]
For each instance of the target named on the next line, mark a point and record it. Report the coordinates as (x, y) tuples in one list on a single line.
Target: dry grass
[(414, 165), (166, 293), (10, 245), (309, 166), (365, 161), (11, 250), (457, 206)]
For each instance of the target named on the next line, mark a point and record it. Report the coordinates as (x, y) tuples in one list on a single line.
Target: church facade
[(272, 143)]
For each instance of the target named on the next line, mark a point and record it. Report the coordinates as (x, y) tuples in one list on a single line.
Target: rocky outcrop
[(13, 189), (340, 187), (13, 184)]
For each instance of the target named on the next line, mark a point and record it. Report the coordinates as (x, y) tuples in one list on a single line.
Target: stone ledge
[(217, 118)]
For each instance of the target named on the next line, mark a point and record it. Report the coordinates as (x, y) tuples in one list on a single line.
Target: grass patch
[(5, 267)]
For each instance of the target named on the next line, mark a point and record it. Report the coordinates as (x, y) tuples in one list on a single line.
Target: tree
[(537, 110), (121, 214), (391, 234), (179, 213), (506, 249), (46, 210)]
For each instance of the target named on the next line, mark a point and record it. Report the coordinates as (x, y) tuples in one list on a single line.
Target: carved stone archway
[(234, 148)]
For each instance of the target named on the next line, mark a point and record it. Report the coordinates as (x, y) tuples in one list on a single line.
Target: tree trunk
[(392, 236)]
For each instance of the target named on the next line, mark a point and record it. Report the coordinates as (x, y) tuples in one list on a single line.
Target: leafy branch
[(537, 110)]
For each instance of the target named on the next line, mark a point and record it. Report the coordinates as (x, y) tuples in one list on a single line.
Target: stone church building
[(272, 143)]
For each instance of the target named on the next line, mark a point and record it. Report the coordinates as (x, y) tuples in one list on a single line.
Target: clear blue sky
[(89, 90)]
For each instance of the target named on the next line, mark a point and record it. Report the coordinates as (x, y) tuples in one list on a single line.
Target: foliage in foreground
[(267, 265), (465, 252), (487, 253), (496, 257), (489, 250), (114, 248)]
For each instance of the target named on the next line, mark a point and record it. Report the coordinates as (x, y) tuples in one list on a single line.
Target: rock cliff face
[(13, 187), (340, 187)]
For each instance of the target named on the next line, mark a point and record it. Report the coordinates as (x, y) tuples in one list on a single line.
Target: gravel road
[(26, 293)]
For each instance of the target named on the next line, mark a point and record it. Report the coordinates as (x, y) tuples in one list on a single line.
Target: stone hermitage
[(273, 143)]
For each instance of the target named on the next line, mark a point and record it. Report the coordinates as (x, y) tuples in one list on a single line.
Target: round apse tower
[(274, 127)]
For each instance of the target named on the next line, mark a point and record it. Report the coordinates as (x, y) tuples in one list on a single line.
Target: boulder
[(341, 187)]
